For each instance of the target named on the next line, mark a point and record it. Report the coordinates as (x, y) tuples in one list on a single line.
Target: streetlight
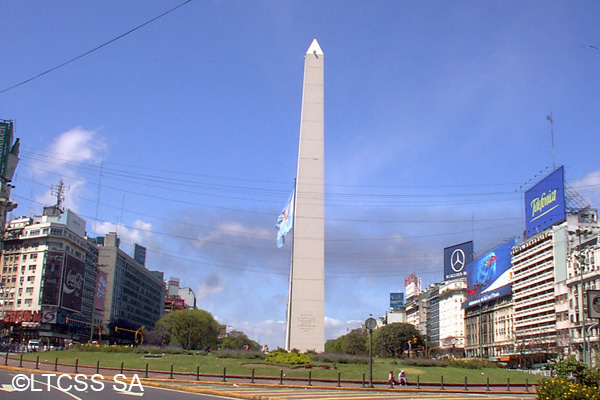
[(371, 324)]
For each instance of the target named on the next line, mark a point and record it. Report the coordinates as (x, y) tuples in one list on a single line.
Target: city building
[(553, 269), (451, 332), (134, 296), (488, 305), (583, 275), (178, 298), (432, 295), (48, 277)]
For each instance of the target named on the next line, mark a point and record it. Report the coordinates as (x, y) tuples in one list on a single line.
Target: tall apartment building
[(583, 275), (134, 295), (547, 286), (48, 277), (452, 295), (432, 295)]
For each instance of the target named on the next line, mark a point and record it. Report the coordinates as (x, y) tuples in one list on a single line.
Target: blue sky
[(182, 135)]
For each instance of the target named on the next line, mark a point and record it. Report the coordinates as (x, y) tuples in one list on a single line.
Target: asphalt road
[(47, 385), (63, 387)]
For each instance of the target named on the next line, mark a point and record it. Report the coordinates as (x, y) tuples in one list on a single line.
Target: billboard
[(456, 259), (593, 303), (51, 280), (72, 285), (9, 152), (100, 291), (545, 203), (396, 300), (488, 277)]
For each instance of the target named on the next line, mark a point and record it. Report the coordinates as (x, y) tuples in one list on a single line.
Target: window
[(28, 302), (29, 290), (32, 267), (30, 278), (33, 256)]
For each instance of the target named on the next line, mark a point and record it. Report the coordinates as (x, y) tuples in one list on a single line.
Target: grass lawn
[(209, 364)]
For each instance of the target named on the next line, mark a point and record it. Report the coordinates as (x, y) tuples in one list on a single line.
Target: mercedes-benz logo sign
[(596, 303), (457, 261)]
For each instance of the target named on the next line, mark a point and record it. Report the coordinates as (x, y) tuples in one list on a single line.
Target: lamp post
[(370, 324)]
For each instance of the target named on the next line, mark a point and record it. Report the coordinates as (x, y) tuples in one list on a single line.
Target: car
[(33, 345)]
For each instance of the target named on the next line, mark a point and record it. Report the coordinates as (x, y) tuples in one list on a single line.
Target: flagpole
[(289, 303)]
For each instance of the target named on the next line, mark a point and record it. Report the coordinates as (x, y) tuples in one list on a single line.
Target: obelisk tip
[(314, 48)]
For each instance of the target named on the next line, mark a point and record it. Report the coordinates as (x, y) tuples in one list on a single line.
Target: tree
[(392, 340), (238, 340), (193, 329), (354, 342)]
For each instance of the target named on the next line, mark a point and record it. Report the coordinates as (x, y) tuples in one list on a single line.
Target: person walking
[(392, 379)]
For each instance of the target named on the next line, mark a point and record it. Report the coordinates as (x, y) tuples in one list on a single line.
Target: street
[(51, 386)]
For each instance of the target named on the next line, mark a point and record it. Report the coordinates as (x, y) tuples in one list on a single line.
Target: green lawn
[(209, 364)]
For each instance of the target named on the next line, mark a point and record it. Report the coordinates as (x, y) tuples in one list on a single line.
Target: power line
[(95, 48)]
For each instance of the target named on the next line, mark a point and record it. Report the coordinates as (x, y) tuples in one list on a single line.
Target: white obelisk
[(306, 297)]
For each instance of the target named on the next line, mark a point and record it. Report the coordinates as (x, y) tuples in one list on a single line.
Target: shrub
[(560, 388), (471, 363), (340, 358), (113, 348), (288, 358), (580, 372), (148, 349), (239, 354), (424, 362)]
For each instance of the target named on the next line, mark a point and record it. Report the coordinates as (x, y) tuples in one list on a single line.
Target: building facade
[(48, 277), (134, 295), (452, 295)]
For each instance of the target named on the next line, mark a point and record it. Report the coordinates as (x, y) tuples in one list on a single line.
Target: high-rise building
[(135, 296), (48, 277), (451, 297)]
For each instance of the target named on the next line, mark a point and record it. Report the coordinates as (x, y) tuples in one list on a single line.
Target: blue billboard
[(545, 203), (456, 259), (396, 300), (488, 277)]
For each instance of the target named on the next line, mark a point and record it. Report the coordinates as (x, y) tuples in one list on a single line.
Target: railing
[(309, 380)]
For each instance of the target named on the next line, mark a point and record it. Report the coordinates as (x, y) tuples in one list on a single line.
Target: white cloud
[(230, 230), (141, 232), (211, 285), (62, 157), (76, 145), (589, 187)]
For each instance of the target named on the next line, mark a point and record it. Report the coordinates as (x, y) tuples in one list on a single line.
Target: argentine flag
[(285, 221)]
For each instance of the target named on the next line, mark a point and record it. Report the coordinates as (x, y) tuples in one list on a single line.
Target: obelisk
[(306, 297)]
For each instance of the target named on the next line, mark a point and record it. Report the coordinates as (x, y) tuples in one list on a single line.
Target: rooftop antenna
[(549, 118), (59, 192)]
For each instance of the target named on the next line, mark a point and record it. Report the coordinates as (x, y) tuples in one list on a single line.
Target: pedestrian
[(392, 379), (402, 378)]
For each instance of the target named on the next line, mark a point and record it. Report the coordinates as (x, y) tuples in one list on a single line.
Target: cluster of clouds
[(232, 262)]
